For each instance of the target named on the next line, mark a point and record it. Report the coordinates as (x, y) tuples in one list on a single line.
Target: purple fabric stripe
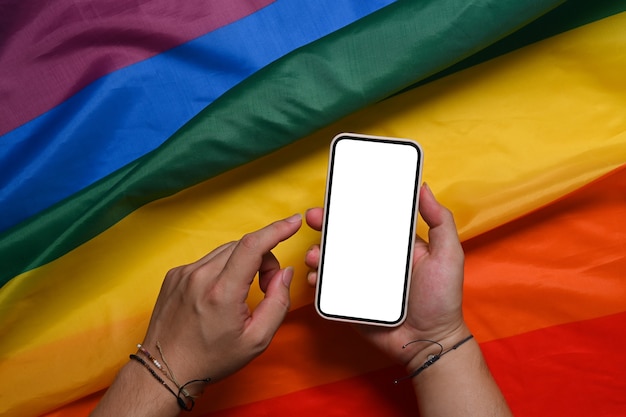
[(38, 38)]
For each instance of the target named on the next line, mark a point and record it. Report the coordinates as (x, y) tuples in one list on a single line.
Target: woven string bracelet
[(181, 403), (164, 367), (431, 358), (187, 403)]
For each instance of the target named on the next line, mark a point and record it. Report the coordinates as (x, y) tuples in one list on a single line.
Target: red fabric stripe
[(576, 369), (47, 45), (371, 394)]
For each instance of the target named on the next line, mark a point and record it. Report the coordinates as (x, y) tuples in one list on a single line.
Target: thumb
[(442, 233)]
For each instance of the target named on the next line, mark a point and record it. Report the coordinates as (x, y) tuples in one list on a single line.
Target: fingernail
[(427, 189), (296, 218), (287, 276), (311, 278)]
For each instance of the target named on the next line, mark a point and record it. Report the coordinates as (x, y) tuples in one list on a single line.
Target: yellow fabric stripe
[(500, 139)]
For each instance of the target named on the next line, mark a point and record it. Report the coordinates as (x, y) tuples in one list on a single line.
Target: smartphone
[(368, 233)]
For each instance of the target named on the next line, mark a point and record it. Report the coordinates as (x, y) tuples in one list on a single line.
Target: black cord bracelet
[(181, 403), (431, 358)]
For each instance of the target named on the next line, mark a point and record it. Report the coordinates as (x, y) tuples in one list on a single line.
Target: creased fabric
[(524, 140)]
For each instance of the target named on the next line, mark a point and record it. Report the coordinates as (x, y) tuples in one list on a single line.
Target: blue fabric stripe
[(132, 111)]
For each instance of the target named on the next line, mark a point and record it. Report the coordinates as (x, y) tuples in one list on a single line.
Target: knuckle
[(250, 241), (216, 294), (171, 274), (195, 276), (172, 277), (185, 270), (203, 279)]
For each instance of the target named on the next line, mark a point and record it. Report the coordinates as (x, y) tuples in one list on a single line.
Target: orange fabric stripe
[(561, 264)]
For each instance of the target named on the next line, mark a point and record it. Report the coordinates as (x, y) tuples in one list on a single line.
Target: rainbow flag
[(137, 136)]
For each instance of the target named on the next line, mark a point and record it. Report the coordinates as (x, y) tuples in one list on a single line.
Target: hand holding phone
[(368, 231)]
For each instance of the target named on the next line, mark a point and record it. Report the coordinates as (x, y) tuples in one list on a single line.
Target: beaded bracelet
[(181, 403), (165, 370), (186, 406), (431, 358), (149, 356)]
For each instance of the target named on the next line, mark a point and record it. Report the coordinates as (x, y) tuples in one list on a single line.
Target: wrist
[(427, 351), (136, 393), (150, 388)]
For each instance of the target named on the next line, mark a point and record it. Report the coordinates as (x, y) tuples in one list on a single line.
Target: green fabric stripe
[(306, 90), (568, 16)]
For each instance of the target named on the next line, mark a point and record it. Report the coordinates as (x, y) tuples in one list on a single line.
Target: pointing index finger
[(248, 254)]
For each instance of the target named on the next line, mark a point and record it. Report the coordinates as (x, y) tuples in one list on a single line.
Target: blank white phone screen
[(368, 236)]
